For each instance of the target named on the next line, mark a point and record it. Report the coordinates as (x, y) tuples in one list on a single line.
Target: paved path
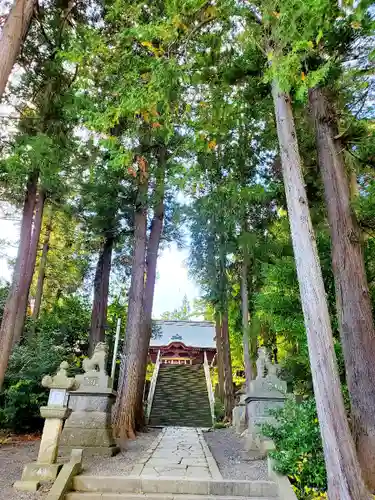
[(179, 452)]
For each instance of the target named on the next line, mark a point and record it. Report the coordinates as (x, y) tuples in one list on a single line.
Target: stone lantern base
[(45, 469), (89, 425)]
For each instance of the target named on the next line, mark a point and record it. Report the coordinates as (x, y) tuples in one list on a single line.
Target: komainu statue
[(98, 360)]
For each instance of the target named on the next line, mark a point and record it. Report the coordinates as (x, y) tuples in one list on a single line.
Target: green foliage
[(299, 451), (67, 323), (60, 334), (219, 411), (23, 393), (67, 260)]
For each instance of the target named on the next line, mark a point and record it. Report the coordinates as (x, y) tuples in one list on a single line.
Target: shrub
[(23, 393), (61, 333), (299, 451)]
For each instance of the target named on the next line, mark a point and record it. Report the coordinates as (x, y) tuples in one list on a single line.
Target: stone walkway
[(179, 452)]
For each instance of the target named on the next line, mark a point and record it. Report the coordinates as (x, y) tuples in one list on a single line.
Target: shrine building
[(183, 342)]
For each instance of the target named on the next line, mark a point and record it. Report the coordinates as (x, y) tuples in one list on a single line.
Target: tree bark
[(353, 300), (343, 471), (219, 356), (149, 290), (10, 309), (126, 402), (245, 320), (42, 267), (101, 289), (227, 363), (29, 271), (13, 33)]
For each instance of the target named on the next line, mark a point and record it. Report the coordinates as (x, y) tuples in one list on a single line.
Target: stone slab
[(194, 462), (26, 485), (153, 496), (176, 486), (91, 451), (158, 462), (173, 485), (108, 484), (168, 456), (198, 472), (64, 480), (211, 462), (40, 472)]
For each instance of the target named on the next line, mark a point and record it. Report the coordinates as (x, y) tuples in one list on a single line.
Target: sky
[(172, 275), (173, 281)]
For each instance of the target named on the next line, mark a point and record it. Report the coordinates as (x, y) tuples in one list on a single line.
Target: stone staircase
[(181, 397), (134, 488)]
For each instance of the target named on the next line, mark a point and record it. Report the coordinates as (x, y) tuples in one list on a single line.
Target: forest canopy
[(242, 130)]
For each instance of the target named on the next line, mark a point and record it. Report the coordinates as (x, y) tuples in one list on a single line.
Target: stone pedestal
[(265, 393), (258, 408), (89, 425)]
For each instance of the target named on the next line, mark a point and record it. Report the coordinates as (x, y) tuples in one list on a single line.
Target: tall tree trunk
[(10, 309), (128, 388), (219, 356), (42, 267), (101, 288), (353, 301), (151, 262), (12, 36), (29, 271), (227, 363), (245, 319), (343, 471)]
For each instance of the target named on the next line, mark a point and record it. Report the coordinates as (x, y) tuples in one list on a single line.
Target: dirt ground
[(227, 448), (15, 453), (13, 457)]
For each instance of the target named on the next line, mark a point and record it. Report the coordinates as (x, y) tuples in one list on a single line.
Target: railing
[(210, 391), (151, 391)]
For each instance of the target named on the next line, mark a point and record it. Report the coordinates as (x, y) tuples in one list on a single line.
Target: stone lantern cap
[(61, 379)]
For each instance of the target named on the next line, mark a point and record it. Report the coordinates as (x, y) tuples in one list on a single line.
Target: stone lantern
[(55, 413)]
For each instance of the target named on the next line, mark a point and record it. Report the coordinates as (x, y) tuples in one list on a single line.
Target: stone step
[(152, 496), (166, 385), (163, 407), (173, 486), (181, 397), (183, 417)]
